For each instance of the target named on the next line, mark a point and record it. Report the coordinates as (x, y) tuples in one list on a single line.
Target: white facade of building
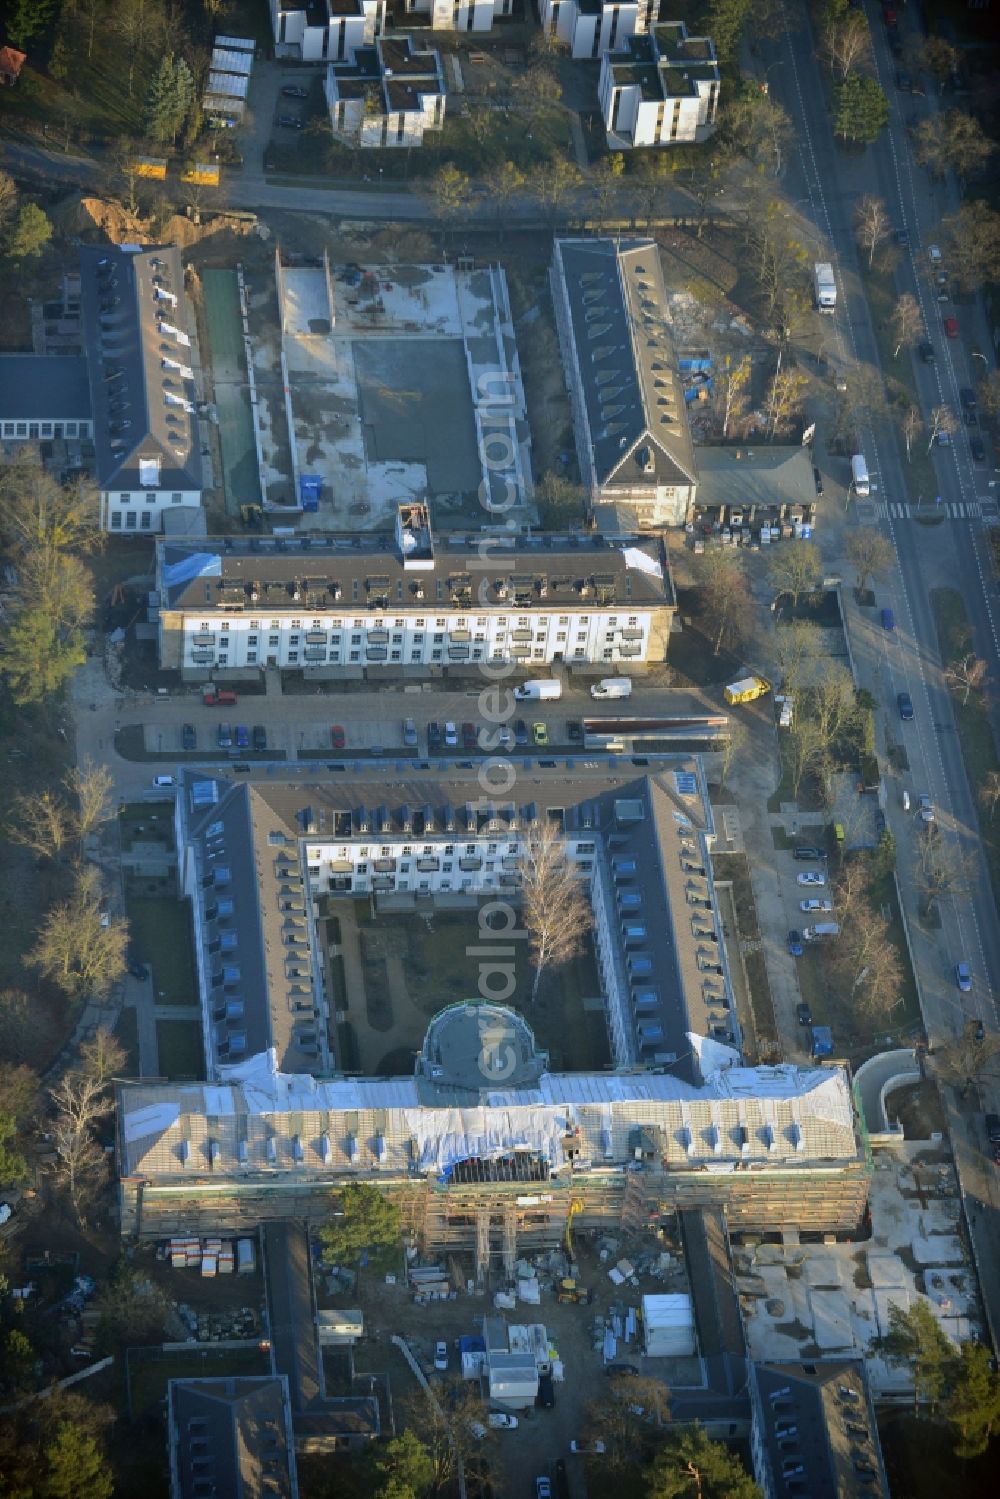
[(659, 90), (142, 510), (308, 33), (388, 96), (460, 15), (591, 27)]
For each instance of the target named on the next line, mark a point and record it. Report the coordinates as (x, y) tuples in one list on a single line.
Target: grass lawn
[(178, 1043), (160, 935), (975, 734), (442, 964), (901, 386), (148, 1375), (127, 1032), (735, 869), (156, 824)]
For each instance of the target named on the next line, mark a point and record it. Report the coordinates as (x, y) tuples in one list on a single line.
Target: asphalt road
[(831, 182)]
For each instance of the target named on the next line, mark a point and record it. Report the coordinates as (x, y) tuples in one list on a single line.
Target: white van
[(822, 929), (612, 687), (163, 781), (859, 475)]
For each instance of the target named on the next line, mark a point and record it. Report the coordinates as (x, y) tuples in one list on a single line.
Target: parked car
[(163, 782), (242, 736), (879, 824), (289, 122), (470, 739), (539, 734), (818, 480), (976, 448), (902, 238), (337, 737), (967, 396), (441, 1354), (137, 970), (795, 943), (623, 1371), (803, 1014), (905, 705), (500, 1421), (505, 738), (543, 1488), (520, 732), (808, 851), (291, 92), (925, 807), (225, 736), (409, 733), (951, 327), (450, 735), (597, 1447), (815, 903), (963, 977), (811, 877), (574, 731), (259, 737), (433, 736), (888, 619), (189, 739), (546, 1397), (927, 353)]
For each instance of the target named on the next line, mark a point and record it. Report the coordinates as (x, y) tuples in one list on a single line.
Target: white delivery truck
[(823, 929), (612, 687), (538, 691), (825, 286), (859, 475)]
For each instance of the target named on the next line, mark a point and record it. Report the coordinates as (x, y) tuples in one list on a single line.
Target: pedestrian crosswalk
[(949, 510)]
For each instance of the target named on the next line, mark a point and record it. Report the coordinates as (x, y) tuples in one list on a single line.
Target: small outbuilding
[(668, 1324)]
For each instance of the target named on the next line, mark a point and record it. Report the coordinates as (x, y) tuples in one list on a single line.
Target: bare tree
[(37, 511), (81, 1099), (725, 597), (871, 223), (554, 905), (606, 179), (795, 570), (733, 388), (943, 422), (832, 702), (90, 786), (806, 749), (507, 183), (619, 1418), (870, 553), (989, 792), (863, 400), (554, 182), (847, 42), (969, 1059), (733, 747), (8, 201), (940, 57), (867, 963), (42, 823), (135, 22), (967, 674), (952, 142), (906, 323), (911, 425), (797, 647), (449, 1428), (75, 948), (784, 398), (941, 869), (973, 235)]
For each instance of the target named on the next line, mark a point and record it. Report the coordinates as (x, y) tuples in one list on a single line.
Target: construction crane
[(576, 1206)]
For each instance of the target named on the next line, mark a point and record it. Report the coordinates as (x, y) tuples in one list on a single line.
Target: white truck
[(538, 691), (612, 687), (860, 482), (825, 286)]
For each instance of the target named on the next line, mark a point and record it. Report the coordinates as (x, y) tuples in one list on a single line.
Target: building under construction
[(489, 1153)]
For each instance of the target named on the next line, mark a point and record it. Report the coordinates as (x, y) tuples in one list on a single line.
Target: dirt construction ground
[(515, 1457)]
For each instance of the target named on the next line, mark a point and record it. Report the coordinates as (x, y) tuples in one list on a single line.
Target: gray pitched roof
[(43, 387), (755, 473), (142, 392), (817, 1418), (231, 1436), (626, 364)]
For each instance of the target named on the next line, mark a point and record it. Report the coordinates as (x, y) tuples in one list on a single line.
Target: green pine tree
[(163, 103), (76, 1467), (30, 234), (860, 109), (36, 657)]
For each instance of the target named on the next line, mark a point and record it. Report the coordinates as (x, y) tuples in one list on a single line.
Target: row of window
[(34, 431), (151, 497), (205, 656), (429, 850), (612, 622)]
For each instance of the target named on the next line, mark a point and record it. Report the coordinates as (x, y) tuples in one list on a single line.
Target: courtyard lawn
[(178, 1045), (160, 936), (148, 1372), (443, 958)]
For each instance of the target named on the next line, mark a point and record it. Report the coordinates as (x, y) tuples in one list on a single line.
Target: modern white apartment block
[(460, 15), (633, 441), (389, 95), (147, 452), (659, 89), (590, 27), (326, 30), (368, 603)]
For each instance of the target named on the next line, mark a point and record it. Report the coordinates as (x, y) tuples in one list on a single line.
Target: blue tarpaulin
[(310, 488), (195, 565)]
